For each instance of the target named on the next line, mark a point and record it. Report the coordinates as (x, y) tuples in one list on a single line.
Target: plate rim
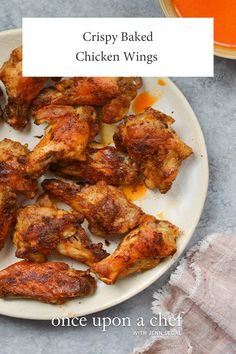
[(173, 260)]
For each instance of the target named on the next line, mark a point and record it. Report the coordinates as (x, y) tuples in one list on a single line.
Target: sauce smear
[(143, 101), (223, 12), (161, 82), (135, 191)]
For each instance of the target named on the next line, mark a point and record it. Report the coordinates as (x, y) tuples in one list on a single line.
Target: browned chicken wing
[(105, 207), (142, 249), (43, 228), (8, 206), (101, 164), (13, 162), (118, 107), (70, 130), (52, 282), (21, 90), (113, 93), (149, 140)]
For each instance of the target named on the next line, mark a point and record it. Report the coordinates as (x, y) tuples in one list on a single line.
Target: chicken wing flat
[(13, 162), (149, 140), (142, 249), (113, 93), (117, 108), (101, 164), (70, 130), (106, 208), (52, 282), (40, 230), (8, 205), (21, 90)]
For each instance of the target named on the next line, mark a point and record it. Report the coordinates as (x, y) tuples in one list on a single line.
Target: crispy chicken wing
[(70, 130), (117, 108), (103, 163), (142, 249), (113, 93), (13, 162), (8, 206), (52, 282), (21, 90), (149, 140), (43, 228), (105, 207)]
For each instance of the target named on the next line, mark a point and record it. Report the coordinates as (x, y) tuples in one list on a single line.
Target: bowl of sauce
[(223, 12)]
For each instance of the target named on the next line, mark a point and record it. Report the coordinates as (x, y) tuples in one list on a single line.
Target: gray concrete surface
[(214, 101)]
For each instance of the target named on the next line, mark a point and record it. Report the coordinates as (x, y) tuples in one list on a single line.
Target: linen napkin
[(203, 288)]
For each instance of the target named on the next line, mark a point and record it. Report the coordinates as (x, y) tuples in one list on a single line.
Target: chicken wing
[(43, 228), (142, 249), (113, 93), (70, 130), (13, 162), (103, 163), (117, 108), (52, 282), (21, 90), (8, 206), (105, 207), (149, 140)]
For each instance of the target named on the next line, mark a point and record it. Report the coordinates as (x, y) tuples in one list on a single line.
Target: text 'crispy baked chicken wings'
[(70, 130), (21, 90), (13, 162), (8, 205), (142, 249), (113, 93), (43, 228), (52, 282), (149, 140), (101, 164), (106, 208)]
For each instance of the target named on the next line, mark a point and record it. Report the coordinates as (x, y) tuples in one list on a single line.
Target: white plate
[(182, 205)]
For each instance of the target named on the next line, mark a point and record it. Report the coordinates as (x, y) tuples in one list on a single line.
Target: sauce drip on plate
[(161, 82), (223, 11), (135, 191), (143, 101)]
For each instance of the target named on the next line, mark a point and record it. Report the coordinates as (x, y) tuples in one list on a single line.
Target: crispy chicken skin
[(117, 108), (52, 282), (43, 228), (142, 249), (101, 164), (13, 162), (105, 207), (113, 93), (8, 205), (149, 140), (70, 130), (21, 90)]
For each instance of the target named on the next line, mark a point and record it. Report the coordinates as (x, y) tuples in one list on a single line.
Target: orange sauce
[(135, 191), (161, 82), (143, 101), (223, 12)]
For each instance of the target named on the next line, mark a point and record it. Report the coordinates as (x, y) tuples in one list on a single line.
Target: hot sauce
[(143, 101), (136, 191), (161, 82), (223, 12)]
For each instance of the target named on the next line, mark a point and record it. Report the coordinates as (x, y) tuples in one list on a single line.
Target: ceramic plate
[(182, 205)]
